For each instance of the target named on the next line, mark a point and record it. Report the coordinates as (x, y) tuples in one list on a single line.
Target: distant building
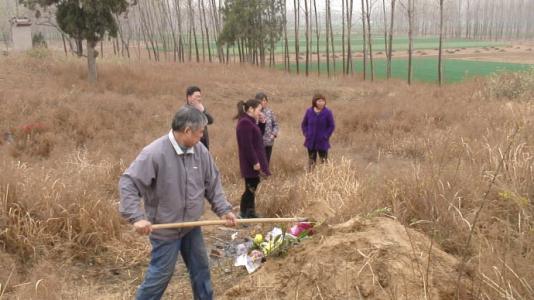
[(21, 33)]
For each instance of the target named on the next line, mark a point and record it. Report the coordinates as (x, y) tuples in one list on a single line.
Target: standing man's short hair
[(188, 116), (191, 90)]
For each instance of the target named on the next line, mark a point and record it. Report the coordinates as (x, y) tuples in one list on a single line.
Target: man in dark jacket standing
[(173, 175), (194, 99)]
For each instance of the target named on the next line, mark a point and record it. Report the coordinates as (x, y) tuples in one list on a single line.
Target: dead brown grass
[(422, 154)]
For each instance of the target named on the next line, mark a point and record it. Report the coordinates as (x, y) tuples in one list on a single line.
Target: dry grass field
[(452, 167)]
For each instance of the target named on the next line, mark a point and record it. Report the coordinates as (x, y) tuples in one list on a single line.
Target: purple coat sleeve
[(330, 123), (304, 124)]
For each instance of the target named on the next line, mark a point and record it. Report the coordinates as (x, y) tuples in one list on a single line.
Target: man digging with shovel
[(173, 175)]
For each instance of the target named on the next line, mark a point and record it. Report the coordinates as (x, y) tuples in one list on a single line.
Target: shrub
[(516, 85)]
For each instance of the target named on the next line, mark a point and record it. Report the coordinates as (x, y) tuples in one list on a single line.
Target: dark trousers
[(268, 152), (312, 155), (312, 158), (248, 205)]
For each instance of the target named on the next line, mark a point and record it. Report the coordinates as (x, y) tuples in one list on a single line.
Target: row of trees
[(297, 33)]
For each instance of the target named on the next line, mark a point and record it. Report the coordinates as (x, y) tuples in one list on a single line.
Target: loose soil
[(362, 258)]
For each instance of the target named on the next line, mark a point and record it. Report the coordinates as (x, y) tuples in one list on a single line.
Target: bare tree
[(287, 65), (217, 24), (202, 39), (317, 36), (364, 41), (332, 38), (384, 15), (147, 31), (440, 47), (206, 29), (192, 32), (306, 14), (327, 22), (390, 38), (349, 6), (368, 8), (343, 64), (411, 8), (178, 11), (296, 5), (159, 25), (167, 12)]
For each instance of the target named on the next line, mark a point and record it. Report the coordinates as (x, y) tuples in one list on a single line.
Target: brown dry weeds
[(422, 154)]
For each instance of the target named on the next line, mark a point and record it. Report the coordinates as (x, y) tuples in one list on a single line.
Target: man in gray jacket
[(173, 175)]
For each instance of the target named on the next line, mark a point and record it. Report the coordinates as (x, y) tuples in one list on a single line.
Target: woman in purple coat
[(317, 127), (252, 157)]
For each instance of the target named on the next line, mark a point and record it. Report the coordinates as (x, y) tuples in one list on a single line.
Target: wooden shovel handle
[(222, 222)]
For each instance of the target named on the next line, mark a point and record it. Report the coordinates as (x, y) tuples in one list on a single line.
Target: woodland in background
[(270, 32)]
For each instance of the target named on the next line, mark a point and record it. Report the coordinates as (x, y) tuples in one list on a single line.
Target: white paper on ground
[(275, 232), (245, 260)]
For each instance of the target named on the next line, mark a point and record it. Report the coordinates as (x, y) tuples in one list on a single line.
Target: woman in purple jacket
[(317, 127), (252, 157)]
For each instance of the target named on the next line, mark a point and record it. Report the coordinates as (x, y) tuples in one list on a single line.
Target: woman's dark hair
[(260, 96), (243, 106), (316, 97)]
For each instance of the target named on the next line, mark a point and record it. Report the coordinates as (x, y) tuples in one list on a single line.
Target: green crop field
[(399, 44), (425, 69)]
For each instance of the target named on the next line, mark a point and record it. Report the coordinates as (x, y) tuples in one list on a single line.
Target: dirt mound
[(362, 258)]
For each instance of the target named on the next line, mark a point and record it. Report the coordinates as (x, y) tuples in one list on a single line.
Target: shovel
[(223, 222)]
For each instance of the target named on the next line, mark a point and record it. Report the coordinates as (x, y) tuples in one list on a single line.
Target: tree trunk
[(370, 39), (296, 5), (207, 30), (64, 44), (272, 59), (332, 39), (142, 28), (91, 61), (364, 42), (390, 45), (349, 6), (287, 65), (317, 38), (411, 7), (385, 31), (220, 49), (440, 66), (343, 36), (327, 21), (306, 14), (167, 9), (148, 32), (181, 50), (79, 47), (157, 27), (193, 29), (239, 51), (202, 34), (113, 44)]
